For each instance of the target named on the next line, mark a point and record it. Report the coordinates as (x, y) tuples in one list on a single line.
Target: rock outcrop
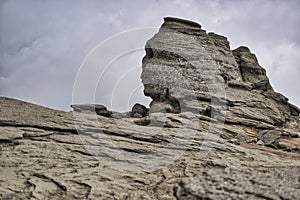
[(190, 70), (215, 130)]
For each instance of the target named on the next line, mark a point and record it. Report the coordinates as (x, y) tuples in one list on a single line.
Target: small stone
[(139, 111), (260, 142), (282, 146), (294, 135), (241, 137), (234, 141), (102, 110), (254, 140), (210, 111)]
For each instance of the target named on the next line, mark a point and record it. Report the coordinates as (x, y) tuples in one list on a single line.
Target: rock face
[(212, 108)]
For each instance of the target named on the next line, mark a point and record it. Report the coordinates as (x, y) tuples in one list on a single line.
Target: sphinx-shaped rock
[(190, 70)]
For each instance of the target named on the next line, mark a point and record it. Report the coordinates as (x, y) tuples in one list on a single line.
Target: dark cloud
[(43, 43)]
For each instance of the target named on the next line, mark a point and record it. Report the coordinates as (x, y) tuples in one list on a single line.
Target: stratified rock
[(186, 69), (251, 72), (295, 111), (49, 154)]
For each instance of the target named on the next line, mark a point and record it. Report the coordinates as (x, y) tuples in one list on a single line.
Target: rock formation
[(206, 74), (215, 129)]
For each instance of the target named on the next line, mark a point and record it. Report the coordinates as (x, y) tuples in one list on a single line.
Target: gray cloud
[(43, 43)]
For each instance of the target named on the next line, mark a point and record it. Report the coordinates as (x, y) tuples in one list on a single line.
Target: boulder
[(269, 137), (139, 111)]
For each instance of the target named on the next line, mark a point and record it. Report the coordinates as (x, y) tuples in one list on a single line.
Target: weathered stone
[(235, 141), (295, 111), (187, 115), (183, 64), (118, 115), (139, 110), (269, 137), (251, 71), (43, 157), (260, 142), (157, 107), (93, 108), (220, 183)]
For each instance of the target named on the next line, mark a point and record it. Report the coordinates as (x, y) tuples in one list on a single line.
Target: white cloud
[(285, 70)]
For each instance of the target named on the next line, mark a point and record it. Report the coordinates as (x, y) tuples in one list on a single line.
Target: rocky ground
[(196, 141), (44, 157)]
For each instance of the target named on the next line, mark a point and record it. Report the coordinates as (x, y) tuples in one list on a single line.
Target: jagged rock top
[(174, 20)]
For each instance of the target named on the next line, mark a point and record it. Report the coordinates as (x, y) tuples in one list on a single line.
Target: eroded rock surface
[(197, 141)]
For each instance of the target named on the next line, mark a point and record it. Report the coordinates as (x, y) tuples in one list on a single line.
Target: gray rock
[(252, 140), (92, 108), (187, 115), (294, 135), (241, 137), (251, 71), (269, 137), (260, 142), (295, 111), (235, 141), (119, 115), (161, 107), (139, 111)]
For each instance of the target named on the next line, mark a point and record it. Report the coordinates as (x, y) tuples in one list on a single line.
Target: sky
[(44, 43)]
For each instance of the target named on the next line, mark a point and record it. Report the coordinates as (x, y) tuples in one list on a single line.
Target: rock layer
[(210, 108)]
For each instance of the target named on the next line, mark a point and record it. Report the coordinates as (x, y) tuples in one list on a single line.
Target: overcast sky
[(43, 43)]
